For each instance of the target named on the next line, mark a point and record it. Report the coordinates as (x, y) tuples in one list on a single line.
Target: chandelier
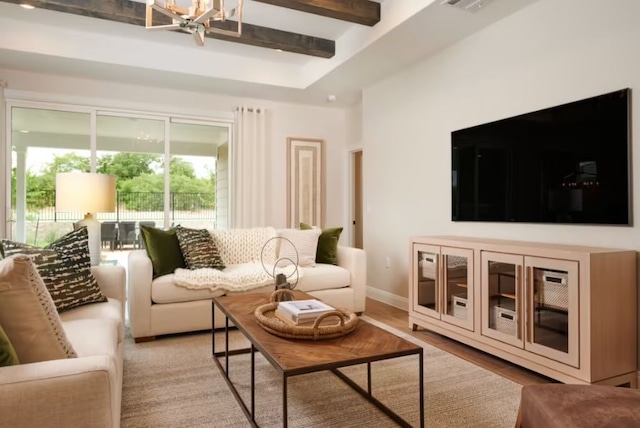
[(195, 20)]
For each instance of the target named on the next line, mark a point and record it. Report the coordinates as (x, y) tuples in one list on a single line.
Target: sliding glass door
[(44, 142), (166, 170), (193, 173)]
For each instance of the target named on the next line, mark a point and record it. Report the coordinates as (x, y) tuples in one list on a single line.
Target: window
[(166, 169)]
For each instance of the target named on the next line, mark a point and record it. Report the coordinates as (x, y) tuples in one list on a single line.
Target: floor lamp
[(89, 193)]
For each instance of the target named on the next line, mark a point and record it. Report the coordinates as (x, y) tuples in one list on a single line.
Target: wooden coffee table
[(292, 357)]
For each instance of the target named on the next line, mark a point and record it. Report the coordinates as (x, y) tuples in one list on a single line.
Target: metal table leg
[(253, 383), (285, 416)]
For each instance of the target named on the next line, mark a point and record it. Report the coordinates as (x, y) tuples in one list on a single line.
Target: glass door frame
[(441, 281), (417, 307), (451, 319), (20, 208), (94, 111), (486, 330), (572, 356)]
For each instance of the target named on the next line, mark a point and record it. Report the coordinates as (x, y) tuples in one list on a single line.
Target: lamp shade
[(85, 192)]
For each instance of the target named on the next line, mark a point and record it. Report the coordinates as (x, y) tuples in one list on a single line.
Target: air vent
[(468, 5)]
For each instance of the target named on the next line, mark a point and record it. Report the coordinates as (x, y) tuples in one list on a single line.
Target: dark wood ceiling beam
[(130, 12), (255, 35), (126, 11), (363, 12)]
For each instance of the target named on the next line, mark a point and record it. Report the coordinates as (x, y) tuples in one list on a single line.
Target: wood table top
[(366, 343)]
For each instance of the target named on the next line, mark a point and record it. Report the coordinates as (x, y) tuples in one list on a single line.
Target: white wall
[(285, 120), (550, 53)]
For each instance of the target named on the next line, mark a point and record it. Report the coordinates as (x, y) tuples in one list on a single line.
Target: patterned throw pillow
[(198, 248), (65, 268), (245, 245), (28, 315)]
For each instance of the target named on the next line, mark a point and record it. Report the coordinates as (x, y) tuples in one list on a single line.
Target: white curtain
[(248, 155), (3, 160)]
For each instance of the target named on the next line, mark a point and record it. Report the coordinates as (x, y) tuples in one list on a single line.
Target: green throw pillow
[(163, 249), (8, 356), (327, 251)]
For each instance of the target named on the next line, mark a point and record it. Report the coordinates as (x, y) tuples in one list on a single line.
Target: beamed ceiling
[(298, 51), (364, 12)]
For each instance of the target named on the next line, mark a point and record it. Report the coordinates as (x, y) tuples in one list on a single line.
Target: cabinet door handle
[(441, 286), (528, 302), (519, 305)]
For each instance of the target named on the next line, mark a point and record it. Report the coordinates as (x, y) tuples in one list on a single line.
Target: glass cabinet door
[(501, 297), (443, 283), (457, 282), (426, 280), (552, 306)]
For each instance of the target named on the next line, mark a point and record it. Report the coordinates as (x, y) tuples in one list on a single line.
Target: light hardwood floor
[(399, 319)]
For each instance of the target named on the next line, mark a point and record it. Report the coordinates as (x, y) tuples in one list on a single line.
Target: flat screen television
[(564, 164)]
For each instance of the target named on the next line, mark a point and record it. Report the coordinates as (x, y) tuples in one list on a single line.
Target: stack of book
[(304, 312)]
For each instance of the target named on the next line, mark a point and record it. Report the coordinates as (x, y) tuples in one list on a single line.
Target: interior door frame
[(350, 192)]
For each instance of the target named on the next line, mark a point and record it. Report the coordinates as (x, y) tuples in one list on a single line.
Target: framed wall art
[(305, 182)]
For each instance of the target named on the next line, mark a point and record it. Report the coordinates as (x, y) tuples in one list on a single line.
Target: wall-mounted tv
[(564, 164)]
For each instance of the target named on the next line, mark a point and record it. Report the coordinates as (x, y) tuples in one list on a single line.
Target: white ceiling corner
[(409, 30)]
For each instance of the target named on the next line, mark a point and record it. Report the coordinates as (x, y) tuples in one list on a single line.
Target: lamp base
[(93, 230)]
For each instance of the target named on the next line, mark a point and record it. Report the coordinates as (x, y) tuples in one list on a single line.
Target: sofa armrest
[(140, 275), (112, 281), (72, 392), (355, 261)]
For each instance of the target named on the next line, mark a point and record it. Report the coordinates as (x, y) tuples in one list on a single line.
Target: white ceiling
[(409, 30)]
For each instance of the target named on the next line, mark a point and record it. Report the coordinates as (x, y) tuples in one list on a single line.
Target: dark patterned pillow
[(198, 248), (65, 268)]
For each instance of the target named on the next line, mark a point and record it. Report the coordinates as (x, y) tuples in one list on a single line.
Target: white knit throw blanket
[(241, 277)]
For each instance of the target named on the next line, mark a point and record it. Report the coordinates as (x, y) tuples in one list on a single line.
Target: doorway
[(356, 202)]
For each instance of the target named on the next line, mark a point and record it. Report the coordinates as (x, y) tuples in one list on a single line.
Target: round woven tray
[(345, 323)]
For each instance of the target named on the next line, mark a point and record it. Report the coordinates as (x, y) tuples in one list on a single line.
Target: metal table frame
[(255, 347)]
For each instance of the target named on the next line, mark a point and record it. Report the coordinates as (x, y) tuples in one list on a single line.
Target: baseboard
[(388, 298)]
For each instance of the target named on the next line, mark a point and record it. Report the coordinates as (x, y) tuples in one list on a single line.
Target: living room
[(546, 54)]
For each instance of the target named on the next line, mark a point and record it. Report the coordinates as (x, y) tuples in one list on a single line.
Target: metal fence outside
[(129, 206)]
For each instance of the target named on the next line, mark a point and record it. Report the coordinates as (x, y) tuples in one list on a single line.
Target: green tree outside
[(139, 181), (126, 166)]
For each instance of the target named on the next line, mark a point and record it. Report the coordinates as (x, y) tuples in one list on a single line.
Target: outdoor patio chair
[(109, 234), (140, 243), (126, 234)]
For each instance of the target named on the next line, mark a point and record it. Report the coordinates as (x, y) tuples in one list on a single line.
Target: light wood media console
[(565, 311)]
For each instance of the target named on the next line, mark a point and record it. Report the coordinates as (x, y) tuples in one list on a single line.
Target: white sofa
[(158, 306), (75, 392)]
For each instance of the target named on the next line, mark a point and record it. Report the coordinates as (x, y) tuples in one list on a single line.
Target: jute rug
[(173, 382)]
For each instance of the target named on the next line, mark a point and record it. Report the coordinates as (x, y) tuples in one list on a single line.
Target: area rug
[(173, 382)]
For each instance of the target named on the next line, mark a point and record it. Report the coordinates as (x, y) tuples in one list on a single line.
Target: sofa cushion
[(111, 310), (237, 246), (298, 246), (28, 315), (323, 277), (8, 356), (327, 251), (198, 248), (91, 337), (163, 290), (65, 267), (163, 249)]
